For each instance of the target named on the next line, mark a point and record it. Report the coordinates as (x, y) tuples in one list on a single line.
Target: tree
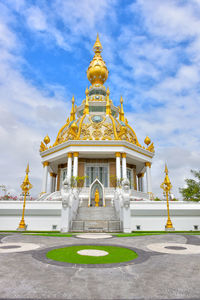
[(192, 191)]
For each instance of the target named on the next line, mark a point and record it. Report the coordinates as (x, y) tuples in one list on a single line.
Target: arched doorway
[(96, 185)]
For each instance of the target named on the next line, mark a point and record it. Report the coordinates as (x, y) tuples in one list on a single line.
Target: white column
[(140, 182), (52, 182), (118, 169), (75, 169), (69, 166), (45, 177), (124, 173), (148, 177)]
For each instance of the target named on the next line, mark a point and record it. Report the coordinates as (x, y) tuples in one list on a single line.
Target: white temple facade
[(97, 167)]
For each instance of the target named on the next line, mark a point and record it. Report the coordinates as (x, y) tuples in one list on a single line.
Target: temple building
[(97, 142), (93, 173)]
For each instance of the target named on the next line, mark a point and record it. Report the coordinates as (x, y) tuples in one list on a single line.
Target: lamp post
[(26, 186), (166, 186)]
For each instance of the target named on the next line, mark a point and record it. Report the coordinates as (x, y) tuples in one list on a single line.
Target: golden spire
[(86, 110), (72, 114), (46, 139), (97, 72), (107, 101), (121, 111), (166, 186), (25, 186)]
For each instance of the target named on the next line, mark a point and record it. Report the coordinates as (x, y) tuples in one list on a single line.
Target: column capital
[(76, 154), (117, 154), (45, 164), (69, 154), (148, 164), (123, 155), (53, 174), (140, 175)]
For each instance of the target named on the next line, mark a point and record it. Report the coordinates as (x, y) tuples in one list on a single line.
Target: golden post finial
[(25, 186), (166, 186), (72, 114), (121, 113), (107, 101), (86, 110)]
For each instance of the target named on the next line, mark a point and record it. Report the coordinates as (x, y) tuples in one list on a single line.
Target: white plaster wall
[(38, 215), (150, 215)]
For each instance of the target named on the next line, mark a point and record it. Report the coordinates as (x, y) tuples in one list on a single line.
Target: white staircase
[(96, 219)]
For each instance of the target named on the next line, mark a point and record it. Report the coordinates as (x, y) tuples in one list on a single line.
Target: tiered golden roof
[(96, 118)]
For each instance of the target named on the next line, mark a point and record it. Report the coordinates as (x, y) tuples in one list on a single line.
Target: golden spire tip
[(27, 168), (97, 45)]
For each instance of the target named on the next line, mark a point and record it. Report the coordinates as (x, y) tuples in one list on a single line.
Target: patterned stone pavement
[(156, 274)]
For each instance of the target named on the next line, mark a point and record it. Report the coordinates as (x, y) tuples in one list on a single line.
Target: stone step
[(96, 213), (84, 203), (96, 226)]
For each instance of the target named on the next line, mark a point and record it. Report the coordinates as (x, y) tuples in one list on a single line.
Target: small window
[(138, 227), (196, 227), (54, 227)]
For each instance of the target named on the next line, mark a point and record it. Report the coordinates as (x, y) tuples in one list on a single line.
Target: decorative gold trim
[(69, 154), (114, 127), (76, 154), (148, 164), (140, 175), (123, 155), (45, 164), (117, 154), (91, 145), (53, 174)]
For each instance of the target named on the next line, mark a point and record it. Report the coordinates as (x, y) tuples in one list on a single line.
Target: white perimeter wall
[(152, 215), (149, 215)]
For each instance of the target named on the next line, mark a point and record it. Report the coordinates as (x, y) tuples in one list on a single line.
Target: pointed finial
[(121, 114), (27, 169), (107, 102), (72, 114), (86, 91), (86, 110), (166, 169), (97, 45)]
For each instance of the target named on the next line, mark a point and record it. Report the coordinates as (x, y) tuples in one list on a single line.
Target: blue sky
[(152, 51)]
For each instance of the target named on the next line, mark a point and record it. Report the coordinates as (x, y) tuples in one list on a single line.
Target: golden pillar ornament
[(166, 186), (26, 186)]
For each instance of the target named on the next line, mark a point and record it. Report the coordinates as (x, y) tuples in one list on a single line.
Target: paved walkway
[(165, 272)]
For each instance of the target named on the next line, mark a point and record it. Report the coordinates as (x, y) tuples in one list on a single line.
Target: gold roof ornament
[(121, 112), (147, 140), (97, 72), (73, 111), (86, 110), (108, 102), (47, 139)]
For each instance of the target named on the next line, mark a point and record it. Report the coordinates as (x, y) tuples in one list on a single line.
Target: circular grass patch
[(70, 255)]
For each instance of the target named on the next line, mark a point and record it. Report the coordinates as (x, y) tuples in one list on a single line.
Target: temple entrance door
[(96, 185)]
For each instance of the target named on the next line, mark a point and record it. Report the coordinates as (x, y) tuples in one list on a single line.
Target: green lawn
[(135, 233), (70, 255)]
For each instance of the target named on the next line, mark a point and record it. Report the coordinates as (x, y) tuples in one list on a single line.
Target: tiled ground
[(156, 276)]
